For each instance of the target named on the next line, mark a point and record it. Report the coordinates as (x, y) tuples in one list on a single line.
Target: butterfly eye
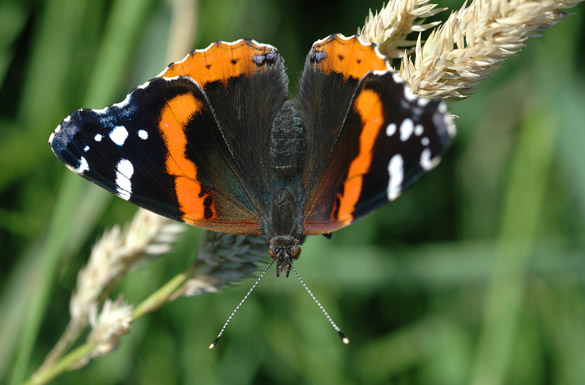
[(271, 253), (294, 254)]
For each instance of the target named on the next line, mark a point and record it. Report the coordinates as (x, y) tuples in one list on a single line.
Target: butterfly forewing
[(246, 85), (333, 69), (388, 140), (161, 149), (185, 144)]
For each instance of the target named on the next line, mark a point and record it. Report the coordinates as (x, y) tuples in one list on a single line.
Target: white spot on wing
[(418, 129), (124, 172), (425, 141), (119, 135), (406, 129), (451, 129), (391, 129), (98, 137), (396, 173), (426, 162), (52, 137), (409, 95), (83, 166), (142, 134), (86, 149)]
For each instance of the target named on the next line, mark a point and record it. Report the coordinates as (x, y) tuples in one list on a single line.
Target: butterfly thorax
[(287, 154)]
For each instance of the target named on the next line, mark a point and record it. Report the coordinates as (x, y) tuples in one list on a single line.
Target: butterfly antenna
[(344, 339), (239, 305)]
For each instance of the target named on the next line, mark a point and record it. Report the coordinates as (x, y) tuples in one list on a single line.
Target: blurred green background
[(475, 276)]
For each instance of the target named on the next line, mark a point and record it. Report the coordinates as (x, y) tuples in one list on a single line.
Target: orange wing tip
[(223, 60), (221, 45), (353, 39), (349, 56)]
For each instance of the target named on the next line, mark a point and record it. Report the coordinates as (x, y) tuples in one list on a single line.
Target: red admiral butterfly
[(213, 141)]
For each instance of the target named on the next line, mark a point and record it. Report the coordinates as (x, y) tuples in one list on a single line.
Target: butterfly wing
[(246, 84), (386, 139), (168, 148), (330, 78)]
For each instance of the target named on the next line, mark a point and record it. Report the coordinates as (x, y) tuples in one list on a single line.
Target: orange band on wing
[(349, 57), (220, 61), (174, 119), (369, 107)]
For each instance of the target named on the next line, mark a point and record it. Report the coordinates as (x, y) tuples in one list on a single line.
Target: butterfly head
[(284, 248)]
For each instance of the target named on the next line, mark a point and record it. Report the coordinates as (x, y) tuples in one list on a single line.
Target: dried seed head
[(474, 42), (224, 259), (389, 28), (466, 49), (112, 322), (147, 236)]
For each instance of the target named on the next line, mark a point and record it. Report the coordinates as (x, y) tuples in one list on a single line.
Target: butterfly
[(214, 141)]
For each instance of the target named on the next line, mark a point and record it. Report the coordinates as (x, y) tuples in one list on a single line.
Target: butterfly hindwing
[(161, 148)]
